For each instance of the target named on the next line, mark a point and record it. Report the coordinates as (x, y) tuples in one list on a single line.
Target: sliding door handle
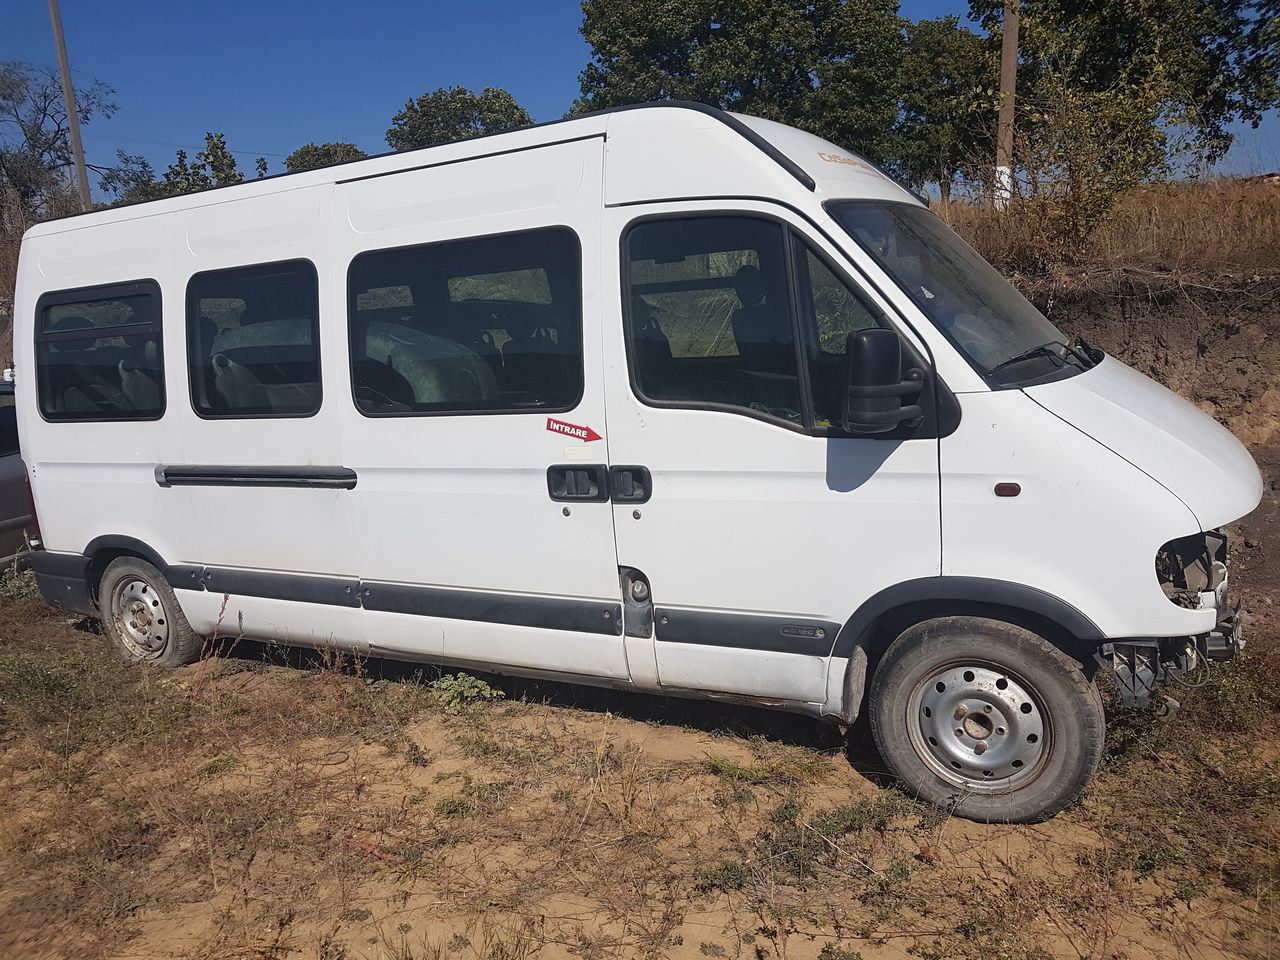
[(629, 484), (581, 482)]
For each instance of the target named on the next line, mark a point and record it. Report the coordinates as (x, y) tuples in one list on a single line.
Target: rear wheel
[(141, 615), (987, 718)]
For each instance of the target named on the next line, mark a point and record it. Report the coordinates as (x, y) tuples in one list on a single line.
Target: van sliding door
[(476, 417)]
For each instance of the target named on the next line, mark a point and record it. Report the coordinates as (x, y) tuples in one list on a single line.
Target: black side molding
[(549, 613), (745, 632), (973, 590), (332, 591), (216, 475)]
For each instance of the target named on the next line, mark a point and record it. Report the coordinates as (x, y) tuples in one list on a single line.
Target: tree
[(35, 152), (313, 155), (454, 113), (214, 166), (828, 66), (949, 98), (1213, 61)]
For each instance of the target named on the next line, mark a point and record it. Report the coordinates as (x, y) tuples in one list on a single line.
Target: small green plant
[(724, 876), (876, 814), (220, 765), (830, 951), (415, 756), (779, 767), (17, 583), (458, 691)]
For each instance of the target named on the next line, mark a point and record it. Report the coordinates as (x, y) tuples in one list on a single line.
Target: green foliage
[(724, 876), (949, 79), (309, 156), (35, 148), (1210, 63), (875, 813), (454, 113), (782, 767), (830, 951), (17, 583), (826, 67), (457, 691), (214, 166)]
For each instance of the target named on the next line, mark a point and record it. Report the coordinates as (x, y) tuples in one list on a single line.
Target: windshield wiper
[(1054, 349)]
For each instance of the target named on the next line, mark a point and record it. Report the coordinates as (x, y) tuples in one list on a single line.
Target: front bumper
[(1193, 573)]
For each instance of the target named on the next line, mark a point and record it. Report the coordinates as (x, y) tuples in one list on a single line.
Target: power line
[(182, 146)]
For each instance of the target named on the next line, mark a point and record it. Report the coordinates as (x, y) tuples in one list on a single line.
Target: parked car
[(15, 504), (662, 398)]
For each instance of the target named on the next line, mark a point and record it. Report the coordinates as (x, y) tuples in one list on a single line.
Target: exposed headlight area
[(1193, 574), (1192, 570)]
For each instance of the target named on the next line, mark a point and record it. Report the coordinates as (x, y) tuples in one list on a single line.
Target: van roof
[(761, 134)]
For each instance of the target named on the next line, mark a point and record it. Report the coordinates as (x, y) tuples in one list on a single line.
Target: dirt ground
[(268, 804)]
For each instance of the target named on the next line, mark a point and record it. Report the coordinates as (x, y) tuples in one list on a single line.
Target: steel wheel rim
[(140, 617), (980, 727)]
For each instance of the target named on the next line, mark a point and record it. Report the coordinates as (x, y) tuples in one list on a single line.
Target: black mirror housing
[(876, 391)]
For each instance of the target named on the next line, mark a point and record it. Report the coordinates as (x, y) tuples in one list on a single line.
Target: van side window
[(709, 314), (98, 353), (468, 326), (253, 341), (829, 311)]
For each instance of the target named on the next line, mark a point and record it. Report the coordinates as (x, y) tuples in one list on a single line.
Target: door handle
[(629, 484), (581, 482)]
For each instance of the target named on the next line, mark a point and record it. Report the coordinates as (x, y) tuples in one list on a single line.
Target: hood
[(1189, 453)]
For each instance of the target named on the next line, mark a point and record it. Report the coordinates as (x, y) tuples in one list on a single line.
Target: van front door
[(765, 527)]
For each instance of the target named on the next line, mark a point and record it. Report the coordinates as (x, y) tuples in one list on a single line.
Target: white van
[(663, 399)]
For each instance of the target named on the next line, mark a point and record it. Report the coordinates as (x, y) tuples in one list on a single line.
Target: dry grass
[(249, 808), (1213, 226)]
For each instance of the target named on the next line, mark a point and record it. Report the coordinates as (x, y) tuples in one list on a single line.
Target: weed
[(18, 583), (483, 746), (415, 756), (875, 813), (830, 951), (220, 765), (1141, 856), (472, 800), (456, 692), (725, 877), (785, 767), (788, 845)]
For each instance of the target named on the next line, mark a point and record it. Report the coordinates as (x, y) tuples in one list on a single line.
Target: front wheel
[(986, 718)]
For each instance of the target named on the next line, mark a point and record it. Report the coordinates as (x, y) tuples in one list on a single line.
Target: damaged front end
[(1193, 574)]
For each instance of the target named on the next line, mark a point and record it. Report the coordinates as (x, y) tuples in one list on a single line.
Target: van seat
[(437, 370), (264, 366)]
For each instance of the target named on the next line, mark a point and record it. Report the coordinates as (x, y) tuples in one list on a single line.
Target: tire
[(140, 614), (986, 719)]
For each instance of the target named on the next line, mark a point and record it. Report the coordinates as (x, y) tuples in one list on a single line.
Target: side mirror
[(876, 398)]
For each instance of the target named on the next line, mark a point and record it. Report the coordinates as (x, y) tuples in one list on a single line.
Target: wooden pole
[(73, 115), (1008, 83)]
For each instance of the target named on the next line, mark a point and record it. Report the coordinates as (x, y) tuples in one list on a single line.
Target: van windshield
[(1005, 338)]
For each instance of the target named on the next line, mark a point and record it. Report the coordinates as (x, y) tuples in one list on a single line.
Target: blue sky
[(275, 74)]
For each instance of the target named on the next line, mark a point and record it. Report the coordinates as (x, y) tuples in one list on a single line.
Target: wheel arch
[(102, 550), (885, 615)]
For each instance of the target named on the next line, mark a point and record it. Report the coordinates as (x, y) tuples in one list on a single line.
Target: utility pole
[(1008, 82), (69, 98)]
